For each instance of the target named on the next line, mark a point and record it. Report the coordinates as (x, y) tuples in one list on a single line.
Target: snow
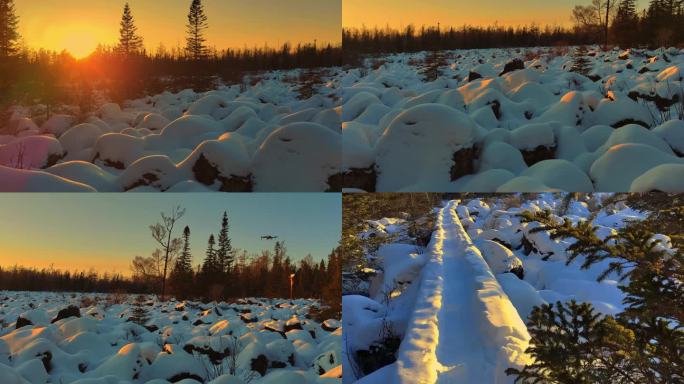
[(461, 317), (104, 347), (298, 157), (234, 127), (18, 180), (419, 146), (395, 121)]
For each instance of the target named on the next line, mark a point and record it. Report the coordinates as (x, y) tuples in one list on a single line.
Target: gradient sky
[(105, 231), (78, 25), (400, 13)]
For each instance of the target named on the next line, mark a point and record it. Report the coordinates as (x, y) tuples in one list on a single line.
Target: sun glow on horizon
[(79, 26), (79, 43)]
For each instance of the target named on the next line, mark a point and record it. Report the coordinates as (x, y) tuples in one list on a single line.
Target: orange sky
[(79, 25), (399, 13), (105, 231)]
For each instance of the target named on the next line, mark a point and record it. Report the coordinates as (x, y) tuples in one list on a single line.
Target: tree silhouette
[(9, 35), (224, 253), (162, 233), (197, 24), (129, 40)]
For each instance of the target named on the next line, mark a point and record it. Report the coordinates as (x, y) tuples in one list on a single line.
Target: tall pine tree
[(224, 253), (129, 41), (209, 266), (197, 24), (181, 275), (9, 35)]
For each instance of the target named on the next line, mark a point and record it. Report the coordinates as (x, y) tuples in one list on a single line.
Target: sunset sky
[(105, 231), (400, 13), (79, 25)]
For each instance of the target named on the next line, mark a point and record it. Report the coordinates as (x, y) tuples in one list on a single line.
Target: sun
[(79, 43)]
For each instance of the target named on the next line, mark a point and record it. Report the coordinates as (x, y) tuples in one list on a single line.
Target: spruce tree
[(139, 314), (209, 266), (185, 259), (580, 62), (129, 41), (197, 24), (626, 23), (645, 343), (224, 253), (9, 35)]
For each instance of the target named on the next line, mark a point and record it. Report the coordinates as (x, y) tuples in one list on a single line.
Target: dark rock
[(464, 163), (528, 247), (215, 356), (268, 328), (377, 356), (361, 178), (260, 364), (496, 108), (185, 375), (248, 320), (207, 173), (70, 311), (146, 180), (539, 154), (151, 328), (292, 327), (326, 328), (622, 123), (335, 183), (22, 322), (46, 359), (504, 243), (662, 103), (513, 65), (518, 271), (54, 158), (472, 76)]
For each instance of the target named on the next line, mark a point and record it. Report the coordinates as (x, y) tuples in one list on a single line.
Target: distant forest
[(127, 70), (225, 273), (606, 22)]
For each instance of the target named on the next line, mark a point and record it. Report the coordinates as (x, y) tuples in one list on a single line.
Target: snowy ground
[(265, 341), (515, 120), (261, 138), (459, 307)]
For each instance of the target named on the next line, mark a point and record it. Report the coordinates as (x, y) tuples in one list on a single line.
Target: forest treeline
[(128, 70), (225, 273), (614, 22)]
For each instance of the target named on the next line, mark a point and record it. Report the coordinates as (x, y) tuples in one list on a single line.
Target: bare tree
[(595, 17), (162, 233)]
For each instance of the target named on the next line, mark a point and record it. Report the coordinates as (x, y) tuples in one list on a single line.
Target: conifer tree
[(645, 343), (9, 23), (626, 23), (181, 275), (209, 265), (129, 41), (139, 314), (224, 253), (580, 61), (197, 24)]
